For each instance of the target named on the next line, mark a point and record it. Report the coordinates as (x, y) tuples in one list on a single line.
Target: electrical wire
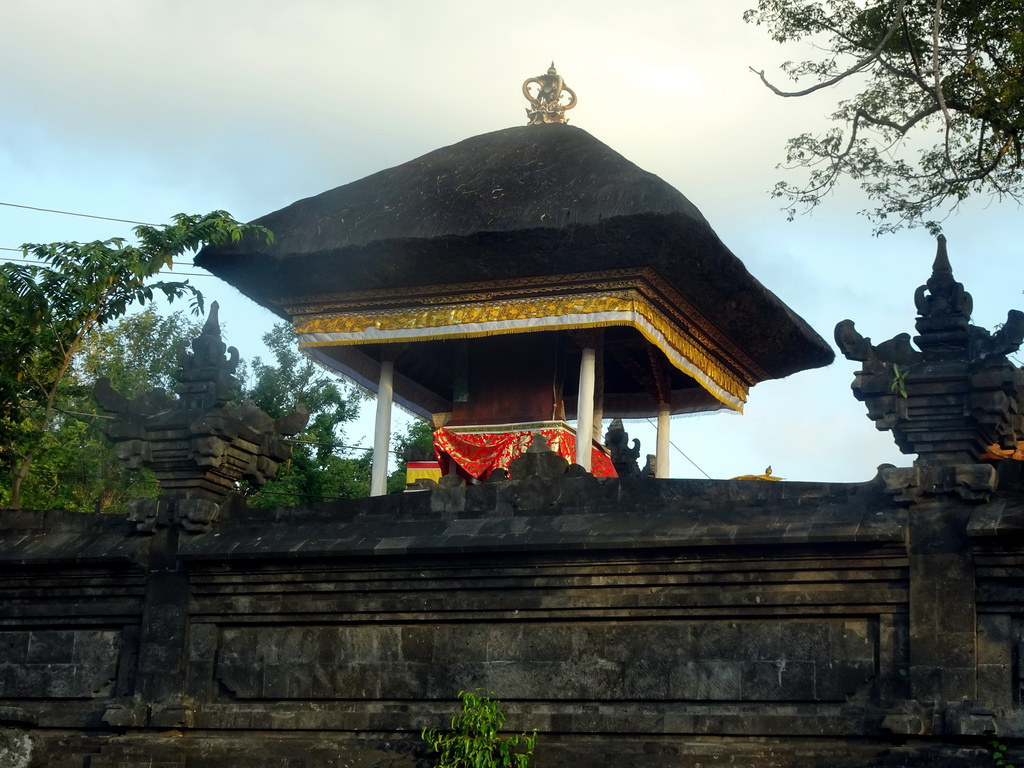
[(83, 215), (680, 451), (37, 262), (338, 445)]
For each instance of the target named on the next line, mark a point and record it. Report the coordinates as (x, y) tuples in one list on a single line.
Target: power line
[(69, 213), (83, 215), (684, 455), (37, 262), (72, 213)]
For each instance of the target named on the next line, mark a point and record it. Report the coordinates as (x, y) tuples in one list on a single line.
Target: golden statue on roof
[(546, 103)]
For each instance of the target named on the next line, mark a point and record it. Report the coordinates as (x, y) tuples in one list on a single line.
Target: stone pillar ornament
[(546, 104), (199, 447), (956, 393)]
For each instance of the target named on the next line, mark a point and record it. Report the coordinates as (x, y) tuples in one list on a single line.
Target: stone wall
[(647, 622)]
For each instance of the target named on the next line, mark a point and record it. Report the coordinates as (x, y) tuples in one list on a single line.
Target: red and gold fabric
[(478, 451)]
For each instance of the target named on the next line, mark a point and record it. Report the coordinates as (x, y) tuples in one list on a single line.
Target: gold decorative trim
[(513, 315), (462, 313), (645, 281)]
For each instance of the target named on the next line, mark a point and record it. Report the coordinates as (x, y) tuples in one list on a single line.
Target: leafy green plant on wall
[(474, 741), (898, 385), (999, 754)]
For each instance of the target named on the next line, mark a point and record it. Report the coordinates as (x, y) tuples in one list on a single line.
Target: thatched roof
[(518, 203)]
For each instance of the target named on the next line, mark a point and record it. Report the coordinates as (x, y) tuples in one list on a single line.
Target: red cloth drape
[(478, 453)]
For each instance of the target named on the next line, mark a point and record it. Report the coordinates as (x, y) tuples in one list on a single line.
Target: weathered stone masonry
[(662, 623)]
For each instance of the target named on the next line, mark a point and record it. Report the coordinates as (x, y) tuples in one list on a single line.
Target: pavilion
[(515, 280)]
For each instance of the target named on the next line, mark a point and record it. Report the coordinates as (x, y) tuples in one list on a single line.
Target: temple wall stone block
[(68, 664), (591, 660)]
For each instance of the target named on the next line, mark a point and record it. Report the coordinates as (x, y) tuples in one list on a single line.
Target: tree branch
[(900, 128), (857, 67)]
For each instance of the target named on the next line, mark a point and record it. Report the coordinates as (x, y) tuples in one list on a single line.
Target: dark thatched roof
[(522, 202)]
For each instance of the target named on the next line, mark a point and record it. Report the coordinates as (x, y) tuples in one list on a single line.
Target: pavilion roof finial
[(546, 103)]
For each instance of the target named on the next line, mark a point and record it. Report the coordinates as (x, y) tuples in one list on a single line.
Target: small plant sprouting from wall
[(999, 754), (473, 740), (898, 385)]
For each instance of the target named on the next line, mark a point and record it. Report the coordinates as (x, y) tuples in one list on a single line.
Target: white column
[(382, 430), (599, 390), (661, 460), (585, 409)]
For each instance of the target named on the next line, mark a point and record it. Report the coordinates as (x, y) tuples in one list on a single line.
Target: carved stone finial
[(205, 377), (198, 447), (623, 458), (953, 396), (944, 311), (212, 325), (546, 103)]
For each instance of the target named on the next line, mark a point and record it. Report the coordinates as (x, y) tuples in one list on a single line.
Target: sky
[(140, 109)]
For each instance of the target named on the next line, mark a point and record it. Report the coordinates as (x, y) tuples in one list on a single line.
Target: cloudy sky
[(139, 109)]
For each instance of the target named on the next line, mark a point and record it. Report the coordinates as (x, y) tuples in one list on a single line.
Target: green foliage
[(137, 353), (76, 468), (49, 310), (940, 113), (322, 467), (999, 754), (417, 444), (474, 740), (898, 385)]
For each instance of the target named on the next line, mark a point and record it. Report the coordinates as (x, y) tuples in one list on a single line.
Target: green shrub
[(473, 740)]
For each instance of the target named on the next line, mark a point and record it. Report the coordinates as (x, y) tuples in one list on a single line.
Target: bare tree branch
[(857, 67)]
